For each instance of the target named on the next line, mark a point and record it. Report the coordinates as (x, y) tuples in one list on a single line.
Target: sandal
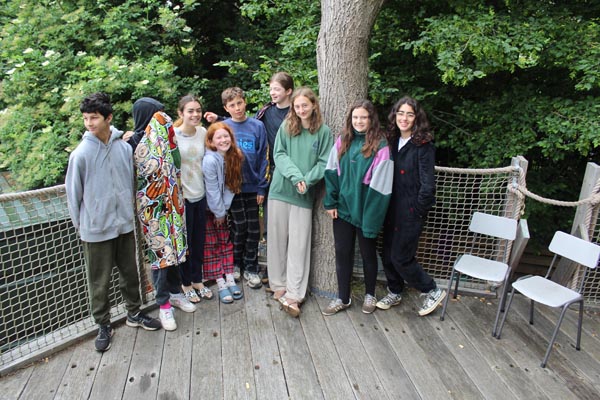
[(204, 293), (225, 296), (290, 306), (191, 295), (235, 291)]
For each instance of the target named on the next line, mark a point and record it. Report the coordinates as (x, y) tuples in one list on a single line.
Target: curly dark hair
[(97, 102), (421, 130)]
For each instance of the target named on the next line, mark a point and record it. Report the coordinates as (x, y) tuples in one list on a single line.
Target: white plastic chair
[(480, 267), (545, 291)]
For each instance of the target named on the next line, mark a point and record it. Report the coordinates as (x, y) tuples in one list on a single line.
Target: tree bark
[(342, 63)]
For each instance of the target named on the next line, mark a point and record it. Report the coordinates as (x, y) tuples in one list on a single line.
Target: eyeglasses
[(408, 115)]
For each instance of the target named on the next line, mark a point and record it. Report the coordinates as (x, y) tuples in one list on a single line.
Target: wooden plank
[(327, 363), (13, 384), (207, 372), (114, 365), (238, 370), (268, 370), (420, 365), (456, 379), (388, 368), (46, 376), (586, 364), (300, 373), (527, 348), (144, 371), (356, 362), (477, 331), (79, 376), (174, 381), (482, 373)]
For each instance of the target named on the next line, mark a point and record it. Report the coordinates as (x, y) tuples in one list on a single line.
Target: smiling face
[(279, 95), (405, 120), (236, 108), (191, 114), (96, 124), (303, 107), (360, 119), (222, 140)]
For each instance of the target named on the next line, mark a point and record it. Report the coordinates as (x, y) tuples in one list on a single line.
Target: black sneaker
[(105, 332), (142, 320)]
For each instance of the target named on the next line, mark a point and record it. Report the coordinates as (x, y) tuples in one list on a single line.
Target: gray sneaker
[(390, 300), (369, 304), (335, 306), (433, 298), (105, 333), (143, 321), (252, 279)]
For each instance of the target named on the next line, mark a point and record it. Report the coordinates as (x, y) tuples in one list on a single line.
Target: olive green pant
[(100, 258)]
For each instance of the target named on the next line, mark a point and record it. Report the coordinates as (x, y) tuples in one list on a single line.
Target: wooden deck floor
[(253, 350)]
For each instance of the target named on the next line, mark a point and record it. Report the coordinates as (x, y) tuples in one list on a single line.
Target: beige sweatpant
[(288, 248)]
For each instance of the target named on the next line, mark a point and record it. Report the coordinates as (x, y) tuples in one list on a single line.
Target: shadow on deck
[(253, 350)]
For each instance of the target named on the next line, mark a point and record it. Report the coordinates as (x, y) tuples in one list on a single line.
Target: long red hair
[(233, 158)]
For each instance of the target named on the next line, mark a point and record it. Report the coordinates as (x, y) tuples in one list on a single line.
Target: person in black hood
[(143, 110)]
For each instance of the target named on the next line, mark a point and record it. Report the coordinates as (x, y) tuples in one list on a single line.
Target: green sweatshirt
[(299, 158), (359, 188)]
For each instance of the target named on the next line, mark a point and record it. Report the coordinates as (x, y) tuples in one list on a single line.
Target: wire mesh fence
[(43, 289)]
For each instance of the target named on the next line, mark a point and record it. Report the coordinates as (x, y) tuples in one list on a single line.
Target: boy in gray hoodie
[(99, 187)]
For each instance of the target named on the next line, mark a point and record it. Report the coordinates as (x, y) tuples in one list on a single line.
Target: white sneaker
[(252, 279), (167, 319), (180, 301), (433, 298)]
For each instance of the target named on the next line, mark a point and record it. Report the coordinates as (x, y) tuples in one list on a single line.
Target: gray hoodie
[(99, 187), (218, 195)]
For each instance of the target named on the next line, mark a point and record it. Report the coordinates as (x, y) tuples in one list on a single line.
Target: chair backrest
[(492, 225), (575, 249)]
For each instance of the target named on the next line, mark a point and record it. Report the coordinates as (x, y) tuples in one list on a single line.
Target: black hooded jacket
[(143, 110)]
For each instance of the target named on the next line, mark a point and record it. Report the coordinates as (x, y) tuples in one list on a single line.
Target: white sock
[(230, 279), (221, 283)]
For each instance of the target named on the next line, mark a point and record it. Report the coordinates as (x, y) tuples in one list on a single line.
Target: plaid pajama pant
[(218, 250)]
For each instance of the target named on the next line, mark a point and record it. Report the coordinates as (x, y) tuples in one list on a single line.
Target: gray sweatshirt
[(218, 195), (99, 187)]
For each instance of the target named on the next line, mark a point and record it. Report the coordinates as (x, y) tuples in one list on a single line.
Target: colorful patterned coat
[(159, 199)]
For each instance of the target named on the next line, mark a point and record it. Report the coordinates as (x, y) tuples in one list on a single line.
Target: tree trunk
[(342, 63)]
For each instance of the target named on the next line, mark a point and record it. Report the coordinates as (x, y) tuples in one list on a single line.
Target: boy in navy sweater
[(251, 137)]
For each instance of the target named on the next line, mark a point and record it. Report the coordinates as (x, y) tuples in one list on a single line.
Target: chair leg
[(579, 325), (500, 306), (562, 314), (531, 312), (456, 285), (447, 297), (510, 299)]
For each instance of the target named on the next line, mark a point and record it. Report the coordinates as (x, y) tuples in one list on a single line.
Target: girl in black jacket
[(413, 195)]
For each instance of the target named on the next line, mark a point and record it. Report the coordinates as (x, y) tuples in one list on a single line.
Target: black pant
[(166, 282), (195, 222), (344, 234), (400, 242), (245, 231)]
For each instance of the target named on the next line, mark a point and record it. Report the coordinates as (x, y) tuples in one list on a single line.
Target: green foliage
[(284, 36), (56, 52)]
